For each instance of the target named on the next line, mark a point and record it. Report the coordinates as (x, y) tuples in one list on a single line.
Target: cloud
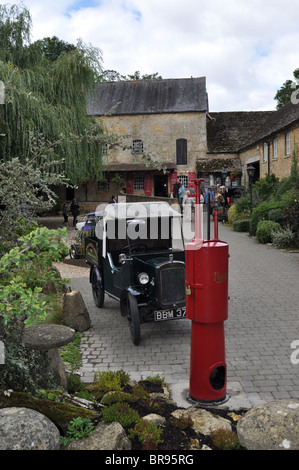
[(246, 48)]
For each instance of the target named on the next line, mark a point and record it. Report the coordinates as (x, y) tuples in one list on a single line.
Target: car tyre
[(133, 318), (73, 252), (97, 290)]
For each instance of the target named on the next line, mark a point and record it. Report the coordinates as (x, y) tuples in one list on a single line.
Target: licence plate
[(161, 315)]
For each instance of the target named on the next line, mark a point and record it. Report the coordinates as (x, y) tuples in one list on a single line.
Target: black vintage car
[(137, 257)]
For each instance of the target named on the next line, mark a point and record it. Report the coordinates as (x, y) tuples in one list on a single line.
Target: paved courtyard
[(262, 325)]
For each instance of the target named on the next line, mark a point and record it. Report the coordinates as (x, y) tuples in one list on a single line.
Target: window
[(137, 146), (184, 179), (288, 144), (181, 152), (265, 151), (274, 149), (138, 182), (103, 185)]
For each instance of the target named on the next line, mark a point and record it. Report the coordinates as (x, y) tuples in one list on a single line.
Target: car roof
[(141, 210)]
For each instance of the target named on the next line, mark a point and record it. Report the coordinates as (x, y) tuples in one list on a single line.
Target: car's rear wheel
[(73, 252), (133, 318), (97, 290)]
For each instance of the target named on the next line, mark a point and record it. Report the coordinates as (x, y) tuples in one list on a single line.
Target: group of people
[(74, 208), (215, 197)]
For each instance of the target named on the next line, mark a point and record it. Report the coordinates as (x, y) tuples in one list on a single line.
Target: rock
[(50, 338), (45, 337), (75, 314), (26, 429), (203, 421), (271, 426), (111, 436), (155, 419)]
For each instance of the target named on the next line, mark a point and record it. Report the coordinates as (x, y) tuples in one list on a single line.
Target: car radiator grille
[(172, 285)]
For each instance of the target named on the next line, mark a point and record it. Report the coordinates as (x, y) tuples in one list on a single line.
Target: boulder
[(111, 436), (75, 313), (49, 338), (271, 426), (26, 429), (204, 421), (45, 337)]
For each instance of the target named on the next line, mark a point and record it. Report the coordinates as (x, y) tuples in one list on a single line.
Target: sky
[(246, 49)]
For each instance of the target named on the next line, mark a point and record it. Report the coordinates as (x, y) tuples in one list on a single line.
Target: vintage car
[(137, 257), (84, 227)]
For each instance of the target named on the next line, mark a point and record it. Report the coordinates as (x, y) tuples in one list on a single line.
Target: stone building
[(169, 133), (165, 125)]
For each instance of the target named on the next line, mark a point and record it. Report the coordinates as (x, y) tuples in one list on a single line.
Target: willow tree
[(45, 101)]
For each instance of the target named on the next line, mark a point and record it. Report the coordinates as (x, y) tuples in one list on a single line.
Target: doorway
[(161, 185)]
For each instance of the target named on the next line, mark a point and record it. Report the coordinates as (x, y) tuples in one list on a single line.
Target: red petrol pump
[(207, 307)]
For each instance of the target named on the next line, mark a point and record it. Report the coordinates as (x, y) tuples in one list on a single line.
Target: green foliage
[(261, 212), (232, 214), (110, 380), (120, 412), (265, 230), (276, 215), (146, 433), (264, 188), (225, 439), (79, 428), (241, 225), (181, 422), (283, 238), (70, 354), (283, 95), (46, 88), (291, 218), (24, 271)]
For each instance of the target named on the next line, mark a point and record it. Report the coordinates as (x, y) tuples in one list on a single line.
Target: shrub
[(241, 225), (110, 380), (261, 212), (120, 412), (243, 204), (283, 238), (265, 229), (78, 429), (276, 215), (225, 439), (147, 432), (232, 214)]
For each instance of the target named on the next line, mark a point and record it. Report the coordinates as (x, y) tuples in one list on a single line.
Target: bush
[(276, 215), (283, 238), (262, 212), (232, 214), (241, 225), (243, 204), (265, 229)]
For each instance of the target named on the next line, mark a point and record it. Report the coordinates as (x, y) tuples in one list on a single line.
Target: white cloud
[(245, 48)]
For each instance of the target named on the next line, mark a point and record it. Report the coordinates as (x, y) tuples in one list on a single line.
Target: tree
[(284, 94), (46, 88), (113, 76)]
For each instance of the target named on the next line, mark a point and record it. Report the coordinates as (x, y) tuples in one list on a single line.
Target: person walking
[(75, 211), (181, 193)]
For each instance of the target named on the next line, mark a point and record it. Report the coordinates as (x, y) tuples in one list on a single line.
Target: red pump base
[(207, 367)]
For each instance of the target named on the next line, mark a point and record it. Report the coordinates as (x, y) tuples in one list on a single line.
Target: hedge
[(265, 229)]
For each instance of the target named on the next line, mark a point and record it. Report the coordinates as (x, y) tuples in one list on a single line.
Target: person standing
[(181, 193), (65, 215), (75, 211)]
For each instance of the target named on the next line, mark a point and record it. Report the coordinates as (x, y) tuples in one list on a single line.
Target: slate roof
[(149, 97), (230, 132), (227, 132)]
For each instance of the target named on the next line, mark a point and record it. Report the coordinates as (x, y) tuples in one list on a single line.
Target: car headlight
[(143, 278)]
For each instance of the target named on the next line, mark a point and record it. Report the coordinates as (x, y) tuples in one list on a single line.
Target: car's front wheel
[(97, 290), (132, 312)]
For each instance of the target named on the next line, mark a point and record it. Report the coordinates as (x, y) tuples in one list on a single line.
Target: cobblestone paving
[(263, 322)]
